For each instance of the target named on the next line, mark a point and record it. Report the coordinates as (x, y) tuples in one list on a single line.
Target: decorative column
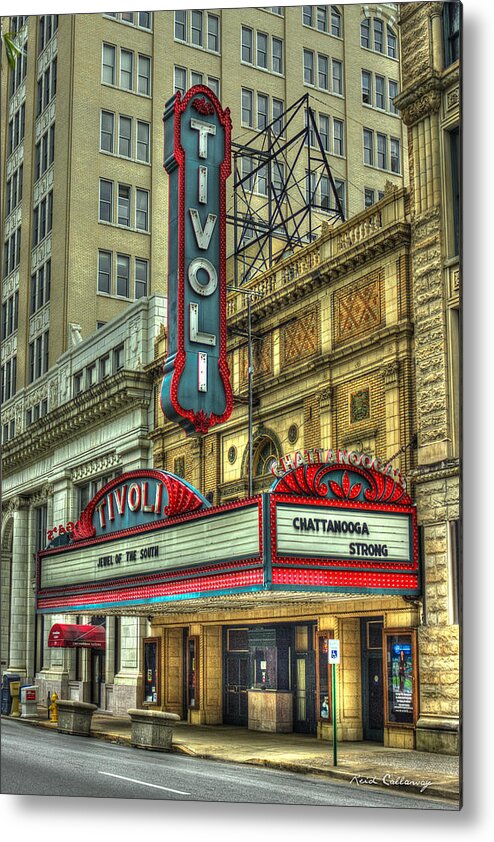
[(18, 655), (325, 409), (127, 685), (390, 379)]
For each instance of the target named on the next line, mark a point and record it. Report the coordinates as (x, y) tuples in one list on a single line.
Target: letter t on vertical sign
[(196, 391)]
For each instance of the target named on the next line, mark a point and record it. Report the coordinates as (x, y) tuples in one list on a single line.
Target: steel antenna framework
[(272, 221)]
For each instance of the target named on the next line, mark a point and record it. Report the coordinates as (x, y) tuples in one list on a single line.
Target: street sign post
[(333, 659)]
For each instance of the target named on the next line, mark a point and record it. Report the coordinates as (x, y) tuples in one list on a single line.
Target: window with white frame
[(142, 209), (142, 141), (120, 64), (318, 61), (9, 379), (38, 356), (323, 18), (197, 28), (125, 137), (141, 20), (16, 129), (247, 107), (338, 137), (123, 205), (278, 107), (392, 93), (105, 200), (261, 51), (47, 26), (337, 77), (14, 189), (115, 272), (370, 196), (10, 315), (46, 87), (40, 287), (262, 111), (125, 141), (382, 151), (379, 92), (126, 199), (44, 152), (379, 36), (180, 79), (42, 219), (369, 147), (12, 252)]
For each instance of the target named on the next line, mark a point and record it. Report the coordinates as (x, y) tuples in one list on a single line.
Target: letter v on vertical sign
[(196, 391)]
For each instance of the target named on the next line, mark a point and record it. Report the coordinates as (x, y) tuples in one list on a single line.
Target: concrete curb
[(446, 790)]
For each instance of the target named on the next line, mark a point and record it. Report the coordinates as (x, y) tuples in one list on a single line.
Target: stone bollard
[(75, 717), (152, 729)]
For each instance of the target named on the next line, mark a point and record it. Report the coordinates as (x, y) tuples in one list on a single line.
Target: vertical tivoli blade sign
[(196, 391)]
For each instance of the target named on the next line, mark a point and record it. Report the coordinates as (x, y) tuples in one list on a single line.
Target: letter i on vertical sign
[(196, 391)]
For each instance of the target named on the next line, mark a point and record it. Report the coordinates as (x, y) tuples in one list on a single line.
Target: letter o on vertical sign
[(200, 263)]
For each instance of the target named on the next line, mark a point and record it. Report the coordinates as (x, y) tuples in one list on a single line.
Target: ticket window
[(152, 657)]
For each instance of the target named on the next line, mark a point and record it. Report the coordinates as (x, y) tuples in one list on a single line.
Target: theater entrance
[(372, 679)]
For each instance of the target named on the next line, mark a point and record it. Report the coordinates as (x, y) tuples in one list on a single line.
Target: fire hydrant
[(54, 708)]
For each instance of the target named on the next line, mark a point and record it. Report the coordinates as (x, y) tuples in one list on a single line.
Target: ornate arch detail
[(259, 435), (7, 533), (382, 12), (42, 495)]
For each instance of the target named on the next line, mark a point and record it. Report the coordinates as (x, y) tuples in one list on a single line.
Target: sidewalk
[(398, 770)]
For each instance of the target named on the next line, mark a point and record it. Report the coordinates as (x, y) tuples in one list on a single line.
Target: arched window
[(264, 457), (335, 22)]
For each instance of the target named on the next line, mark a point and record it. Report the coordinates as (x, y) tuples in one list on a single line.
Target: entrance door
[(304, 697), (97, 675), (235, 708), (372, 679)]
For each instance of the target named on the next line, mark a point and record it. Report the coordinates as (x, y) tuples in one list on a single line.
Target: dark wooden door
[(372, 680), (304, 696), (236, 684), (97, 675)]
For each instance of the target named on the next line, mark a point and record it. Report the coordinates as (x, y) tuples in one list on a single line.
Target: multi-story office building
[(84, 194)]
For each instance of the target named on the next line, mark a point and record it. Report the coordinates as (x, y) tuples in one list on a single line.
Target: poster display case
[(400, 677)]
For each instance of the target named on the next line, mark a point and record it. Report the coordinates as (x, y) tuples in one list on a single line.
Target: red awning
[(67, 636)]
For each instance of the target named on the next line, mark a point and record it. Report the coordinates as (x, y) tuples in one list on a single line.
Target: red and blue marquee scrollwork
[(196, 391), (342, 483)]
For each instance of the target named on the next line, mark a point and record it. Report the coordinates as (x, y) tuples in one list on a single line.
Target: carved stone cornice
[(420, 101), (15, 504), (42, 495), (98, 405), (103, 463)]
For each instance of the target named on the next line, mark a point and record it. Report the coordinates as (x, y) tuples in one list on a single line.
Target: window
[(10, 309), (214, 85), (196, 28), (307, 15), (18, 73), (123, 207), (109, 64), (40, 287), (394, 145), (311, 188), (181, 25), (365, 33), (246, 51), (195, 78), (90, 375), (335, 22), (107, 130), (247, 105), (337, 77), (391, 42), (366, 87), (454, 147), (338, 142), (277, 53), (324, 131), (142, 144), (104, 271), (105, 200), (341, 193), (126, 70), (47, 26), (308, 66), (322, 72), (278, 176), (262, 180), (141, 277), (8, 378), (180, 79), (38, 356), (380, 95), (378, 36), (213, 33), (321, 18), (144, 20), (278, 107), (142, 210), (382, 160), (123, 275), (368, 147), (144, 75), (310, 139), (104, 367), (16, 129), (42, 219), (262, 50), (451, 32), (78, 382), (128, 17), (247, 167), (369, 197), (325, 192), (14, 189), (262, 111), (124, 137), (265, 455), (392, 92), (12, 252), (119, 357)]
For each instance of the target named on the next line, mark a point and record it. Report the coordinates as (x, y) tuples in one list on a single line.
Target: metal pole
[(333, 678), (249, 385)]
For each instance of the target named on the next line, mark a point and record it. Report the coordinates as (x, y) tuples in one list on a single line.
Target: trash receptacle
[(6, 696), (29, 700)]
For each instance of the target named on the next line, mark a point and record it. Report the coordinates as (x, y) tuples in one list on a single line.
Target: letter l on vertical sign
[(196, 391)]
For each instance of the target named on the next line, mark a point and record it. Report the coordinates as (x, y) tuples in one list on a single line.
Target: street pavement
[(364, 766), (45, 762)]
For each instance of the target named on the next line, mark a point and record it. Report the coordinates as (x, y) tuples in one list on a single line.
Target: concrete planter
[(152, 729), (75, 717)]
